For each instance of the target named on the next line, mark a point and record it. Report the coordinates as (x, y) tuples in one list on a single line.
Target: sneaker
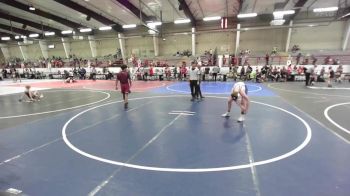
[(241, 118), (227, 114), (126, 105)]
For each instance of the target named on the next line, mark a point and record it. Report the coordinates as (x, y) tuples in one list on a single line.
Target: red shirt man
[(125, 83)]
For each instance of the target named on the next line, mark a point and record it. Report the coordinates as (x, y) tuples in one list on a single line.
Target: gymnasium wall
[(80, 48), (173, 44), (263, 41), (224, 42), (2, 58), (140, 46), (34, 51), (107, 46), (258, 41), (15, 51), (327, 37), (58, 51)]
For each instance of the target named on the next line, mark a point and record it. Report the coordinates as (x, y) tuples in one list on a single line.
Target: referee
[(194, 75)]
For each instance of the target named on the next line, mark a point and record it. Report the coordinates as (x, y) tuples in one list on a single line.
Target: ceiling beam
[(3, 34), (79, 8), (298, 5), (29, 23), (187, 12), (41, 13), (136, 11), (15, 30)]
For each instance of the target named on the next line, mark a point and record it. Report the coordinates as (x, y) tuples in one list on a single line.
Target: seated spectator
[(321, 75), (258, 78)]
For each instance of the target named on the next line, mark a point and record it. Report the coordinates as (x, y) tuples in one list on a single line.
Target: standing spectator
[(167, 72), (267, 58), (183, 71), (151, 72), (331, 76), (93, 74), (309, 75), (175, 72), (338, 73), (215, 71), (298, 58), (242, 73)]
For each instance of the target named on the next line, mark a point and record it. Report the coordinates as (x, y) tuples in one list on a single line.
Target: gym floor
[(79, 140)]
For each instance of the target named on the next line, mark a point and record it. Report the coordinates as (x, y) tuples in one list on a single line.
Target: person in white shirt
[(239, 94), (194, 81)]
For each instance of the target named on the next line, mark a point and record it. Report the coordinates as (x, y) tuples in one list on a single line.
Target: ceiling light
[(49, 33), (212, 18), (5, 38), (105, 28), (23, 36), (248, 15), (182, 21), (152, 32), (51, 46), (17, 37), (154, 23), (34, 35), (284, 12), (67, 32), (277, 22), (31, 8), (128, 26), (85, 30), (326, 9)]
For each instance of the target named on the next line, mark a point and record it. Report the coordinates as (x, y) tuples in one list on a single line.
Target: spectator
[(338, 73), (298, 58), (267, 58), (215, 72)]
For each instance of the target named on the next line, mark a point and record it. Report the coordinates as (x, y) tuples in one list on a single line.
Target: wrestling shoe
[(241, 118), (227, 114)]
